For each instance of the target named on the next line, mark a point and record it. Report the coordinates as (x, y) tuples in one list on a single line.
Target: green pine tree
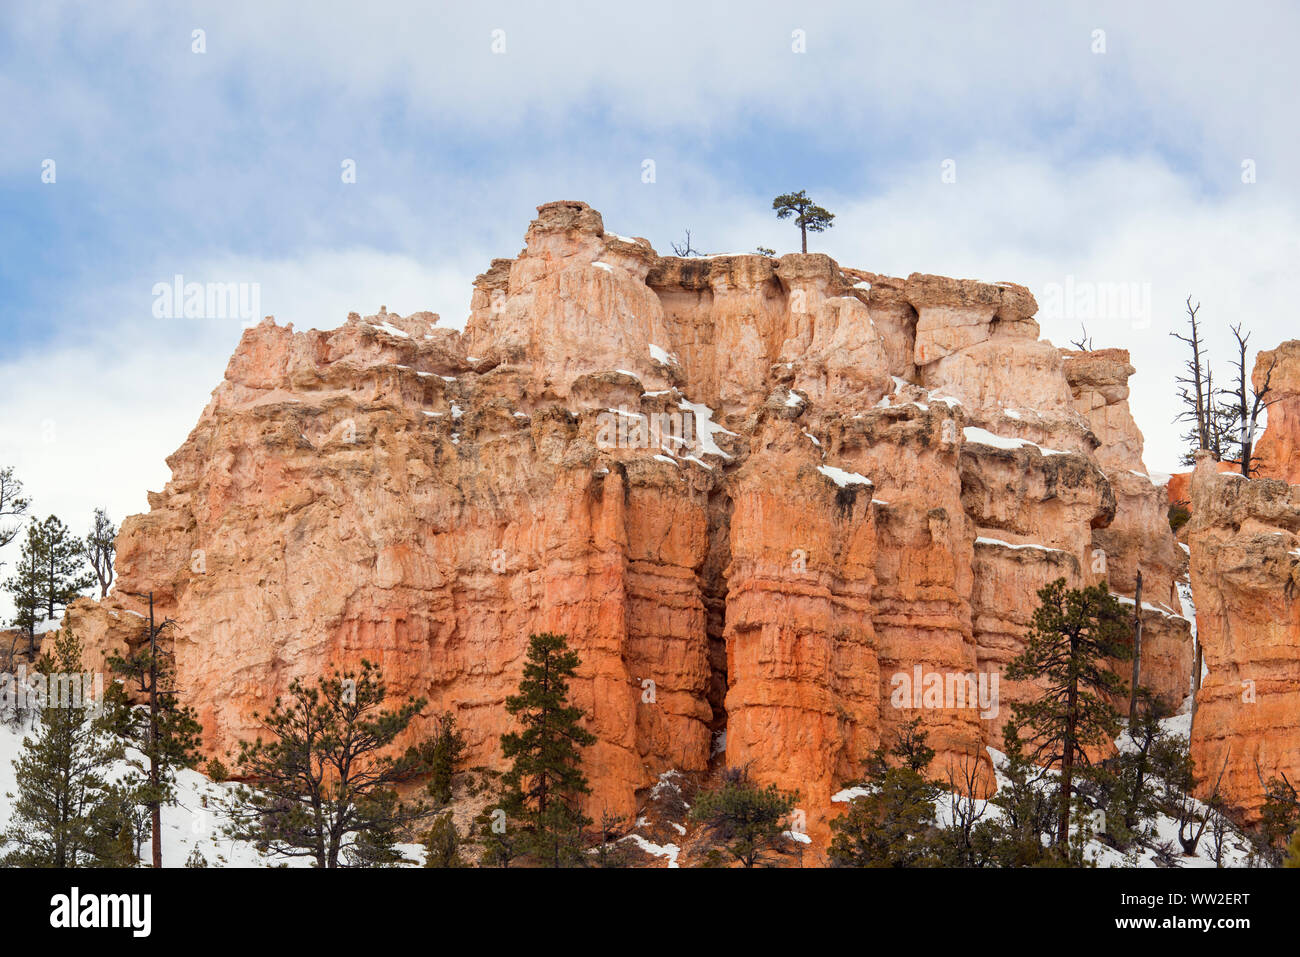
[(165, 732), (1075, 633), (24, 588), (545, 783), (442, 843), (745, 820), (893, 824), (65, 813), (324, 784), (442, 752), (61, 556), (1028, 810), (808, 216)]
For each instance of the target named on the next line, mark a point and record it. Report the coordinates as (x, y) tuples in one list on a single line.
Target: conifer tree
[(65, 813), (323, 782), (24, 588), (808, 216), (893, 824), (166, 732), (1075, 632), (746, 820), (441, 753), (61, 557), (545, 783), (501, 843), (1028, 810), (442, 843)]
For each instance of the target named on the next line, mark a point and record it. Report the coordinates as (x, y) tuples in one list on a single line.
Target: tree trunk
[(1137, 654), (155, 806), (1067, 761), (803, 233)]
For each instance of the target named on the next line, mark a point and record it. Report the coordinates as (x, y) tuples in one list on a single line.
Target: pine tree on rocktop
[(65, 813), (545, 783), (99, 547), (808, 216), (1075, 633)]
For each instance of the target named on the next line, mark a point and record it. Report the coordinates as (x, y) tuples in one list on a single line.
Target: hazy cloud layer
[(1122, 167)]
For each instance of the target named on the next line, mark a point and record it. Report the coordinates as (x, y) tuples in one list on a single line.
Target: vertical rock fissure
[(713, 589)]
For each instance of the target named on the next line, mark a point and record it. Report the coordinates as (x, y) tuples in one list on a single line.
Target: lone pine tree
[(893, 824), (50, 573), (24, 588), (1074, 634), (166, 732), (545, 783), (323, 782), (808, 216), (745, 819)]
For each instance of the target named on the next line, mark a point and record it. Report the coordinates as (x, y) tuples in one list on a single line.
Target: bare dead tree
[(1218, 833), (685, 248), (1137, 654), (12, 505), (1191, 820), (1084, 342), (1196, 385), (1249, 402), (964, 781)]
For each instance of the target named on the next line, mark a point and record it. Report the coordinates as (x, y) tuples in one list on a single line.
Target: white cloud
[(1121, 167)]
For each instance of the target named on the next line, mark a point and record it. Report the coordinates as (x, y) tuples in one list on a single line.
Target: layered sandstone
[(1245, 569), (753, 491)]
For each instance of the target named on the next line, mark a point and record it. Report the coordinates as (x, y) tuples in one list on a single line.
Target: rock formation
[(1278, 450), (1245, 568), (759, 494)]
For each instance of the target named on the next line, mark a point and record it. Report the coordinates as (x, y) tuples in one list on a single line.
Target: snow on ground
[(669, 851), (1163, 827)]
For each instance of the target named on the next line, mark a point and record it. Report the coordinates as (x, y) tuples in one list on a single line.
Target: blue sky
[(1122, 166)]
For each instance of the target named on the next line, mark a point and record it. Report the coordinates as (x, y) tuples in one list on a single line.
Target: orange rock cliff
[(759, 494)]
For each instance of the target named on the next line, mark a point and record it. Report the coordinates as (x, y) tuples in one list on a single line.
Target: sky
[(1080, 149)]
